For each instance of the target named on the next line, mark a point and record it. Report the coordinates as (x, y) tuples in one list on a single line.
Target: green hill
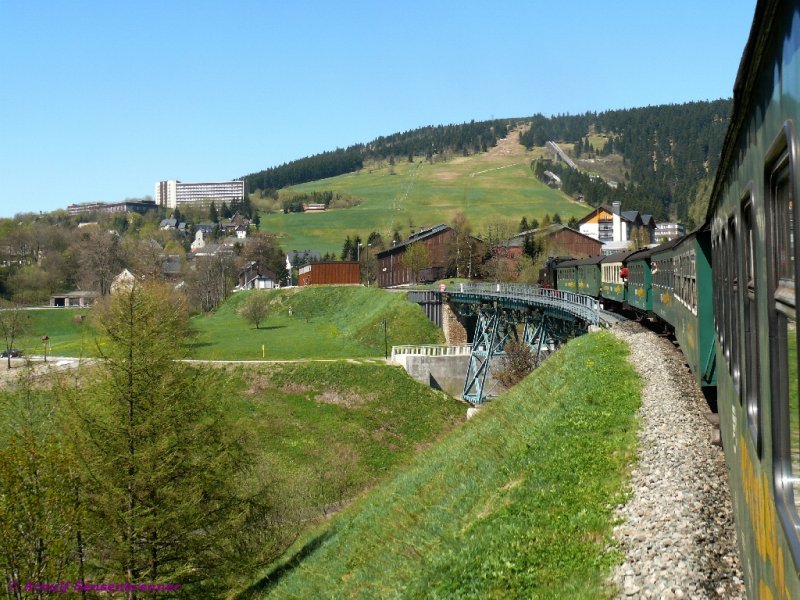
[(490, 187), (326, 322), (517, 503)]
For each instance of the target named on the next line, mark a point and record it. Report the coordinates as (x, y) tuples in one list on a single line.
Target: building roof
[(76, 294), (626, 215), (422, 234), (171, 264), (519, 239)]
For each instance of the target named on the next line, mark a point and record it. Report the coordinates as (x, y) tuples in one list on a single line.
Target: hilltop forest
[(668, 154)]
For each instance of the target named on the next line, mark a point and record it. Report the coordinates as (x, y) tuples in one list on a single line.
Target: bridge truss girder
[(543, 330)]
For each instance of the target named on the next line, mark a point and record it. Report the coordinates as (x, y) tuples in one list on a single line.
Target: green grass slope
[(68, 329), (489, 187), (517, 503), (326, 322), (330, 429)]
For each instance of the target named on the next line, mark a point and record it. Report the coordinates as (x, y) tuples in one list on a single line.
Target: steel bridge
[(541, 318)]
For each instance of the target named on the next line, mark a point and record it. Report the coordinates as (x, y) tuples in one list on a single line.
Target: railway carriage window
[(783, 335), (751, 328), (724, 294), (693, 282), (716, 266), (735, 304)]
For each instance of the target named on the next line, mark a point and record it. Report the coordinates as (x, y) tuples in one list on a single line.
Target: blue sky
[(99, 100)]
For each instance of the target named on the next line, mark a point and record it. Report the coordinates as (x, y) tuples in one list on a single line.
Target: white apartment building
[(666, 232), (175, 194)]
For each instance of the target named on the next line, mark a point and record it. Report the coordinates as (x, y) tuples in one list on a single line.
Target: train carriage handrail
[(580, 305)]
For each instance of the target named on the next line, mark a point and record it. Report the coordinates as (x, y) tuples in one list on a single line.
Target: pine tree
[(159, 460), (213, 215), (347, 248)]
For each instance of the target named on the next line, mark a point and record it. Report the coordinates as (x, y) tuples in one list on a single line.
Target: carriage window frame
[(750, 390), (735, 306), (780, 197), (724, 334)]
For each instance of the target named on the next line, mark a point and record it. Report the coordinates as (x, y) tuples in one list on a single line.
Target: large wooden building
[(557, 240), (391, 270), (330, 273)]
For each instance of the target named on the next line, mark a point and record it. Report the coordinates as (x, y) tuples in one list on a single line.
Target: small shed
[(252, 276), (76, 299), (330, 273)]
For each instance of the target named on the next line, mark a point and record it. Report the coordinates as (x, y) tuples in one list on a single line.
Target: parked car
[(13, 353)]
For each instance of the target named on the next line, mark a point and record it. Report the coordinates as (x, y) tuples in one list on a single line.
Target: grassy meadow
[(327, 322), (516, 503), (68, 329), (489, 188), (328, 430)]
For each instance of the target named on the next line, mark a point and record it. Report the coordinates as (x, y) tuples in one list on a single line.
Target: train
[(728, 291)]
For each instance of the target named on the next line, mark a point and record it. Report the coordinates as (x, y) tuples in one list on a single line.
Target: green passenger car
[(692, 305), (640, 294), (567, 276), (587, 275), (612, 280), (662, 277)]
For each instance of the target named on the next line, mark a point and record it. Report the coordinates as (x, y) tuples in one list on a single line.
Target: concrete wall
[(446, 373)]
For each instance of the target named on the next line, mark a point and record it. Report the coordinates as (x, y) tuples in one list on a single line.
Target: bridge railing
[(586, 307), (431, 350)]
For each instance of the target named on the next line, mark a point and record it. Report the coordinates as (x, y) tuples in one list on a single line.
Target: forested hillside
[(668, 153), (466, 138)]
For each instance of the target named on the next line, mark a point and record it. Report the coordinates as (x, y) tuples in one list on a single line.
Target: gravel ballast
[(676, 529)]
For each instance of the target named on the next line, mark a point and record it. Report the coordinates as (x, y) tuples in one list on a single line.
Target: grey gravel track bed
[(676, 529)]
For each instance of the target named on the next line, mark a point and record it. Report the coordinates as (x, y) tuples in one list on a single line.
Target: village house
[(615, 227), (253, 276)]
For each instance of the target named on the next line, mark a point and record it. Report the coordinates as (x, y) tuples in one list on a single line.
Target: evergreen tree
[(375, 241), (347, 249), (523, 225), (159, 461), (40, 509), (213, 215)]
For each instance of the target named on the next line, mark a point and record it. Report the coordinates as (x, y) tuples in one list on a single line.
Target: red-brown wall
[(331, 273)]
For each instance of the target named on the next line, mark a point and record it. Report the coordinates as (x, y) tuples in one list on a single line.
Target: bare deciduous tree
[(100, 259), (13, 323), (256, 307), (415, 259)]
